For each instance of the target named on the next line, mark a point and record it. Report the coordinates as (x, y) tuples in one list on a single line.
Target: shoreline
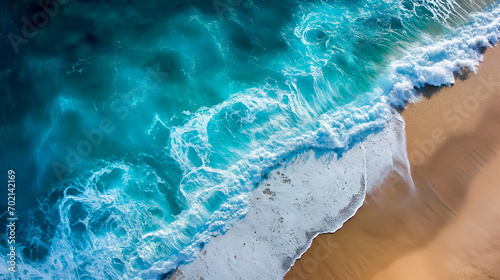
[(282, 224), (451, 139), (293, 205)]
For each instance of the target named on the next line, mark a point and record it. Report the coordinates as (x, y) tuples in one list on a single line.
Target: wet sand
[(446, 226)]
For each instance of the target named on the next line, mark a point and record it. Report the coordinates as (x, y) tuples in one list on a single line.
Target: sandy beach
[(446, 225)]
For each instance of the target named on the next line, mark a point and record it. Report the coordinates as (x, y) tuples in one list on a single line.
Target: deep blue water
[(137, 128)]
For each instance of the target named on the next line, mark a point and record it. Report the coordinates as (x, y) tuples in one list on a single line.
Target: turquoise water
[(137, 129)]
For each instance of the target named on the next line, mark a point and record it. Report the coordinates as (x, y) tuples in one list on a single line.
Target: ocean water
[(138, 129)]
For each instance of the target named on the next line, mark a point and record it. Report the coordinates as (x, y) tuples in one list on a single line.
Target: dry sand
[(448, 225)]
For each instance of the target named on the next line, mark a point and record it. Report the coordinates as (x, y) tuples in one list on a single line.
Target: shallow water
[(137, 130)]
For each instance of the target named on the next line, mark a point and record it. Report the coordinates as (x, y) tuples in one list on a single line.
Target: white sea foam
[(269, 254), (316, 192), (436, 62), (287, 210)]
